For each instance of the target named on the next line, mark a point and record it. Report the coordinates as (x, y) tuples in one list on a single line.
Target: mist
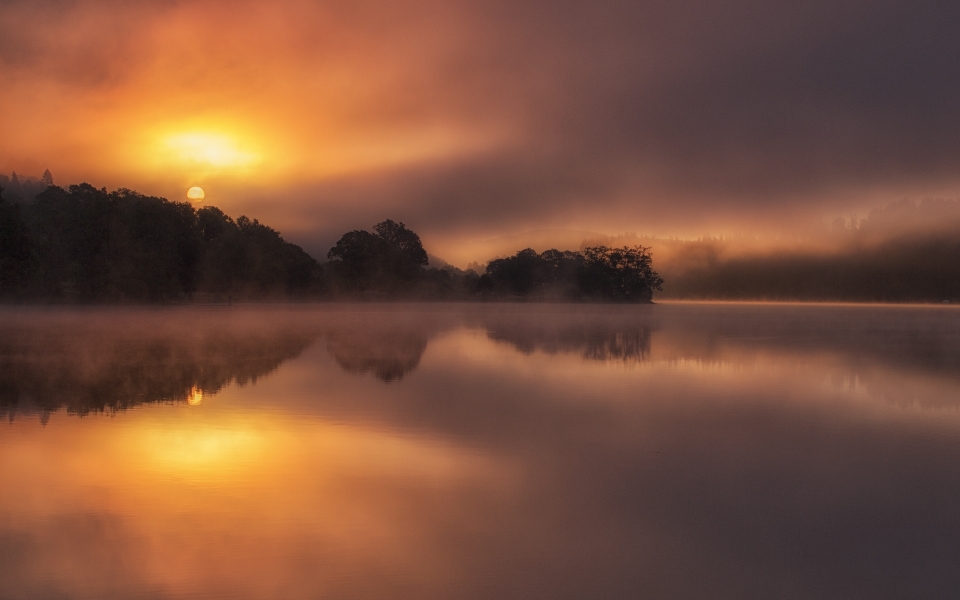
[(899, 252)]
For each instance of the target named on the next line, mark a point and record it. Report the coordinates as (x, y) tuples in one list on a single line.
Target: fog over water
[(678, 450)]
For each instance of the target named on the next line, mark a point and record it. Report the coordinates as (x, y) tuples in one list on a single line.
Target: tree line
[(89, 245), (84, 244)]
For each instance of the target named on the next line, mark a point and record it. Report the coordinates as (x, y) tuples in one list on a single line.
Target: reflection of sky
[(715, 465)]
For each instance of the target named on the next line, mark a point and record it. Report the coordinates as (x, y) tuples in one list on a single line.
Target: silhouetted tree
[(405, 245), (359, 266), (621, 274), (389, 261), (520, 275), (213, 223), (15, 249), (248, 259), (600, 273)]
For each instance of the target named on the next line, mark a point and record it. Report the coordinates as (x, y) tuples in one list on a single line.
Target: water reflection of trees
[(112, 359), (390, 346), (606, 343), (110, 367), (388, 354), (607, 333)]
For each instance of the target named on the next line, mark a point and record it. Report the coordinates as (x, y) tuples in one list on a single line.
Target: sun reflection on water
[(195, 398)]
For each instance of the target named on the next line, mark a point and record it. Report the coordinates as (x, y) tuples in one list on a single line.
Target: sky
[(470, 120)]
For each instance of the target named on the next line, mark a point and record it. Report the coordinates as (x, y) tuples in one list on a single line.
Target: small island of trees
[(85, 244)]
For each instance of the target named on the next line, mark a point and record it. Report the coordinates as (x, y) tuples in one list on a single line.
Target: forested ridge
[(89, 245), (84, 244)]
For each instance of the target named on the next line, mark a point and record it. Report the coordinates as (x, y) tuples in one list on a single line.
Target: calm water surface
[(457, 451)]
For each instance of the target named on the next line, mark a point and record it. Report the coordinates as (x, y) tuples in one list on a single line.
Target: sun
[(196, 194)]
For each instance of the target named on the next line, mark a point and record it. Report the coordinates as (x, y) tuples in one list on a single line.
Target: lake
[(480, 451)]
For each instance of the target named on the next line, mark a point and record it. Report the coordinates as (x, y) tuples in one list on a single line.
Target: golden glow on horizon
[(205, 149)]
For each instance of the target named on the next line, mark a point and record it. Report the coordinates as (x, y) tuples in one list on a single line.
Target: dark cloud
[(654, 110)]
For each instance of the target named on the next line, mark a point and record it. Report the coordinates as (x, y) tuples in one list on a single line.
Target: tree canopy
[(388, 261), (599, 273)]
